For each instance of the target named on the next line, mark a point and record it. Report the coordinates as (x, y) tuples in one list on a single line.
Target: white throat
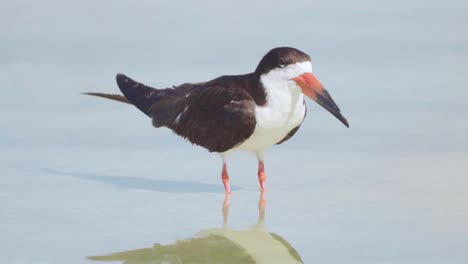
[(284, 108), (283, 94)]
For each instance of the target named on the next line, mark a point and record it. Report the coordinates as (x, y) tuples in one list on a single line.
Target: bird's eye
[(281, 63)]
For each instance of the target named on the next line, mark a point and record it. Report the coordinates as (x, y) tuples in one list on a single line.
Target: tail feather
[(115, 97), (138, 94)]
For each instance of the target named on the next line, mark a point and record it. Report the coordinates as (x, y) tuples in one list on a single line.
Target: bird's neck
[(256, 89), (284, 104)]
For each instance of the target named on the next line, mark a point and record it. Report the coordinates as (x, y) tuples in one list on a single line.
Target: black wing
[(216, 115)]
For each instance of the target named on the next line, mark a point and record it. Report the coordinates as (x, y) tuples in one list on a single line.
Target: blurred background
[(84, 177)]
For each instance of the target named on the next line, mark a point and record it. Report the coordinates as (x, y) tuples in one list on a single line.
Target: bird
[(246, 112)]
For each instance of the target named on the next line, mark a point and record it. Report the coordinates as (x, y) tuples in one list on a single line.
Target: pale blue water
[(87, 177)]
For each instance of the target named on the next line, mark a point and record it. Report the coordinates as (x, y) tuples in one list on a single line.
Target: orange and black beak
[(312, 88)]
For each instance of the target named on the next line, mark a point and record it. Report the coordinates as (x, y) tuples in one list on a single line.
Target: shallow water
[(63, 205), (84, 179)]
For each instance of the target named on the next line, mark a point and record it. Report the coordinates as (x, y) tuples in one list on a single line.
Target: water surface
[(85, 179)]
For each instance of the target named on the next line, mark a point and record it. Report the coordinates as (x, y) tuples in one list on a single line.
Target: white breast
[(284, 109)]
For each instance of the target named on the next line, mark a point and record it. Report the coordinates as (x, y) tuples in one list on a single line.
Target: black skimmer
[(236, 112)]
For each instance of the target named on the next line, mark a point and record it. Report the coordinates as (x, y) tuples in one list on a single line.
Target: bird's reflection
[(217, 245)]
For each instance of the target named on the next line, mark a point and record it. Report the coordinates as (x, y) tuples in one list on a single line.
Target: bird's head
[(291, 65)]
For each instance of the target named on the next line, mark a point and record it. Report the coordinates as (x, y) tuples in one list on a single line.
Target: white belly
[(275, 120)]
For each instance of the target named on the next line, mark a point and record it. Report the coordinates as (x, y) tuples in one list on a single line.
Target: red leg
[(261, 175), (225, 178)]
